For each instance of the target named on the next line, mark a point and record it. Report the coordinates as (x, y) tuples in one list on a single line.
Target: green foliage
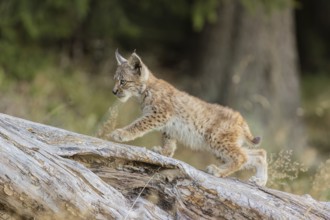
[(320, 188), (41, 20), (108, 19), (316, 105), (203, 12), (157, 23), (22, 62), (32, 32), (29, 28), (67, 98)]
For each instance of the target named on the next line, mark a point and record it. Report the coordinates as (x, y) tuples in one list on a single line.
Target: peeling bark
[(50, 173)]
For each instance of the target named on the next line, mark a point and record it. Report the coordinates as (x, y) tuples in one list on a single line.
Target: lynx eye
[(122, 82)]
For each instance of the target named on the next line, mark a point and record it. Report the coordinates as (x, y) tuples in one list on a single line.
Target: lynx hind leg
[(233, 157), (257, 158), (168, 146)]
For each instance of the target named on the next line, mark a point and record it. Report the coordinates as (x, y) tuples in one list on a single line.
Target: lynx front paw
[(119, 135), (258, 181), (163, 151), (213, 170), (157, 149)]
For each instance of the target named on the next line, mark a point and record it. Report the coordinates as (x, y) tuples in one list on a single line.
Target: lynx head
[(130, 78)]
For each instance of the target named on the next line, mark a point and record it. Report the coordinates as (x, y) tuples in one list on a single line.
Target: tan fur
[(187, 119)]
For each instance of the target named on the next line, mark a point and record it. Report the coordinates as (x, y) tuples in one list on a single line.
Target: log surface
[(54, 173)]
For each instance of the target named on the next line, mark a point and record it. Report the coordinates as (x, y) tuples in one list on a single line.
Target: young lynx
[(187, 119)]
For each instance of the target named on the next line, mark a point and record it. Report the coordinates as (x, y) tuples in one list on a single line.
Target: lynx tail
[(256, 140), (250, 139)]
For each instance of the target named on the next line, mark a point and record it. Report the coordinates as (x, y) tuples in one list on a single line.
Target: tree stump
[(51, 173)]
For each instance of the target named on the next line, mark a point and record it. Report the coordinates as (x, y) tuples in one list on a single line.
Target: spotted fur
[(187, 119)]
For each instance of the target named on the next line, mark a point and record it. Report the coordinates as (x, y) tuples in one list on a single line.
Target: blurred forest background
[(268, 59)]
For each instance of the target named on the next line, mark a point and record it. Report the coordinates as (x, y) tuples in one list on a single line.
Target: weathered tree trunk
[(247, 59), (46, 172)]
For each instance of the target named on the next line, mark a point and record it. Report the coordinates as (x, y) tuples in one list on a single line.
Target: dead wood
[(50, 173)]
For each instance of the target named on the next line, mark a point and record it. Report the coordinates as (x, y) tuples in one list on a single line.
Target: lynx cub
[(184, 118)]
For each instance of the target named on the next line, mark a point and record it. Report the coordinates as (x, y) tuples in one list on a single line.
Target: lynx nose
[(115, 91)]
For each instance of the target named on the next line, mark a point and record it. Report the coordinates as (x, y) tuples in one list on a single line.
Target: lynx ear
[(136, 63), (119, 58)]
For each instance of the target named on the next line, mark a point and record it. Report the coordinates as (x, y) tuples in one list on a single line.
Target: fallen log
[(51, 173)]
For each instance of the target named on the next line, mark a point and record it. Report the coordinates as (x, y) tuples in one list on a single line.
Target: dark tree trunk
[(248, 61)]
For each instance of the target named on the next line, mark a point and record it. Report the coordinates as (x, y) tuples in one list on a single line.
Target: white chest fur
[(185, 133)]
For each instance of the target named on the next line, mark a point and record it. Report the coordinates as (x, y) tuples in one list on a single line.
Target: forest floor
[(75, 100)]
